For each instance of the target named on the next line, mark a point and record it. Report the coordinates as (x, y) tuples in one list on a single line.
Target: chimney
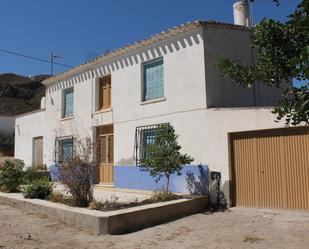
[(241, 13)]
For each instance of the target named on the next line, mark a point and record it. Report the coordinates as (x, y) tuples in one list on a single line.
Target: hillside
[(20, 94)]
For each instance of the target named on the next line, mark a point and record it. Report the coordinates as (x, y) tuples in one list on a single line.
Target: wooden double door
[(105, 138)]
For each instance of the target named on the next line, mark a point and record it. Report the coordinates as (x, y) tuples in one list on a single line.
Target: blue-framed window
[(153, 80), (64, 149), (68, 100), (145, 135)]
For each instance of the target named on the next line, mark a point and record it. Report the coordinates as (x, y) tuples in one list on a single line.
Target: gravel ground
[(236, 228)]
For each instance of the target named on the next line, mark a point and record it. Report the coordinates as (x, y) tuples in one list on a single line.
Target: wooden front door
[(106, 154)]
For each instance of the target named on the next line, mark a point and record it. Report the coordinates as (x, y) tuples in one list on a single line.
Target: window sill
[(68, 118), (152, 101), (103, 110)]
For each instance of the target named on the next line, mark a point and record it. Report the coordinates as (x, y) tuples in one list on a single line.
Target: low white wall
[(7, 124)]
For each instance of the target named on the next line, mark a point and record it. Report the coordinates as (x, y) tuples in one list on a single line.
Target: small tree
[(78, 173), (282, 54), (163, 157)]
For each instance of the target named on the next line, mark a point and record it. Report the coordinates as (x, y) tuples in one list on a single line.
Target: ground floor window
[(64, 149), (144, 135)]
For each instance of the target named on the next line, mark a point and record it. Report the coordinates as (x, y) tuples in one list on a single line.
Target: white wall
[(221, 121), (233, 43), (184, 97), (184, 81), (184, 92), (203, 132), (49, 124), (28, 127), (7, 124), (79, 126), (188, 125)]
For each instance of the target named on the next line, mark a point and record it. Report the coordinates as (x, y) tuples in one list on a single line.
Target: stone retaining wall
[(112, 222)]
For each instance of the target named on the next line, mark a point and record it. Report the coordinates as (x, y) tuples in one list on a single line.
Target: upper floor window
[(153, 82), (105, 93), (68, 99)]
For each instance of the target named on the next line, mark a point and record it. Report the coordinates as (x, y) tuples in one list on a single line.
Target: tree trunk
[(167, 183)]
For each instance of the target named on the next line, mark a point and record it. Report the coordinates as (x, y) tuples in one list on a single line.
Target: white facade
[(192, 87)]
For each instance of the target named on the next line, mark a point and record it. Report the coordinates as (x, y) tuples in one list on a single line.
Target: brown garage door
[(270, 168)]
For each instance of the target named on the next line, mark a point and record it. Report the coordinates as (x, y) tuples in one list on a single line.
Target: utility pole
[(53, 56)]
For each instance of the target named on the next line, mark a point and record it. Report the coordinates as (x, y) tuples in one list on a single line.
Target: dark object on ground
[(218, 202)]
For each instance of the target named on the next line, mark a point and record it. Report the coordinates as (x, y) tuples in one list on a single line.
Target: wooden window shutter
[(105, 92)]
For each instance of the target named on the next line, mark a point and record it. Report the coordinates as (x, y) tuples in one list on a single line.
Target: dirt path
[(238, 228)]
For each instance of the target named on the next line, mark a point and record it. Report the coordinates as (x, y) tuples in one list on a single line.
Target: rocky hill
[(20, 94)]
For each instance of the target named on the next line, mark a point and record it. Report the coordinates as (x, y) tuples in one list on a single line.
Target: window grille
[(64, 149), (144, 135)]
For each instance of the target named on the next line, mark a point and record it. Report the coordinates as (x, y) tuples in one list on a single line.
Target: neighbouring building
[(119, 98), (7, 123)]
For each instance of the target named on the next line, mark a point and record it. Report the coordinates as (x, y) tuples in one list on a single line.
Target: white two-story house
[(120, 97)]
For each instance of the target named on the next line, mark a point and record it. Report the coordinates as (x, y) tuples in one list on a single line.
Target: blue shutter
[(68, 102), (153, 80)]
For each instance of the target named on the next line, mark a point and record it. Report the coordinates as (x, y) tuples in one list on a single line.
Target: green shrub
[(38, 189), (11, 175), (31, 174), (161, 196)]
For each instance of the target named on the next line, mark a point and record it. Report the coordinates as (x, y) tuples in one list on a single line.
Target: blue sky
[(81, 29)]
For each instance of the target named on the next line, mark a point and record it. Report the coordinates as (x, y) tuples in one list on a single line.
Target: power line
[(33, 58)]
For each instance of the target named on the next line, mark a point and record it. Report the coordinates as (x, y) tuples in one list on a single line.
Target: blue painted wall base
[(133, 177)]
